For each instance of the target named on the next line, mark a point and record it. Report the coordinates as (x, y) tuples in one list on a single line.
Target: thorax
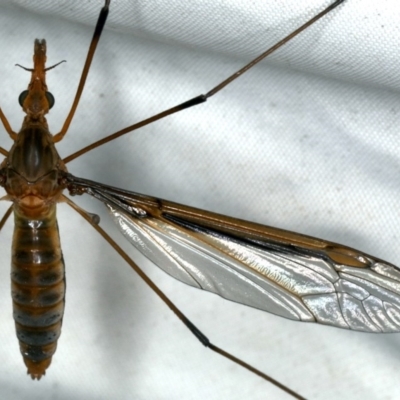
[(31, 170)]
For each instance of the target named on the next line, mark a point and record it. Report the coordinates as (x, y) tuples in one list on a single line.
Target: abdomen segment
[(38, 288)]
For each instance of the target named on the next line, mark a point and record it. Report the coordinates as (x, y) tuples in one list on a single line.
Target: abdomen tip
[(37, 369)]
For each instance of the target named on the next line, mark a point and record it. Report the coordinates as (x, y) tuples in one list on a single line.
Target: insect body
[(30, 176), (288, 274)]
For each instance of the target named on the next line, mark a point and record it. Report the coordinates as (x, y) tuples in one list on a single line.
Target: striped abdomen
[(38, 288)]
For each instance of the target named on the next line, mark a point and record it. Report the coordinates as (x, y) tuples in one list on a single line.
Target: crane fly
[(206, 239)]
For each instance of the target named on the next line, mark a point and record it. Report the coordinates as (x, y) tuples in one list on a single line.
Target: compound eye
[(22, 97), (50, 99)]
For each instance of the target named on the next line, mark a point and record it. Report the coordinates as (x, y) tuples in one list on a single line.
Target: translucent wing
[(285, 273)]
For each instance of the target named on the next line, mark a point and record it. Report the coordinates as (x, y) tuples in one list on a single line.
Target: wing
[(288, 274)]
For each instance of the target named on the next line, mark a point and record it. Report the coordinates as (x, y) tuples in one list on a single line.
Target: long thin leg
[(203, 98), (5, 217), (7, 126), (196, 332), (93, 44)]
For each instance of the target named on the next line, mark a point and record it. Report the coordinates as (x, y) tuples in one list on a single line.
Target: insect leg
[(5, 217), (7, 127), (199, 335), (93, 44), (203, 97)]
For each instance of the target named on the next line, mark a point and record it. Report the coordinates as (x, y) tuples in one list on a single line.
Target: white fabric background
[(308, 141)]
